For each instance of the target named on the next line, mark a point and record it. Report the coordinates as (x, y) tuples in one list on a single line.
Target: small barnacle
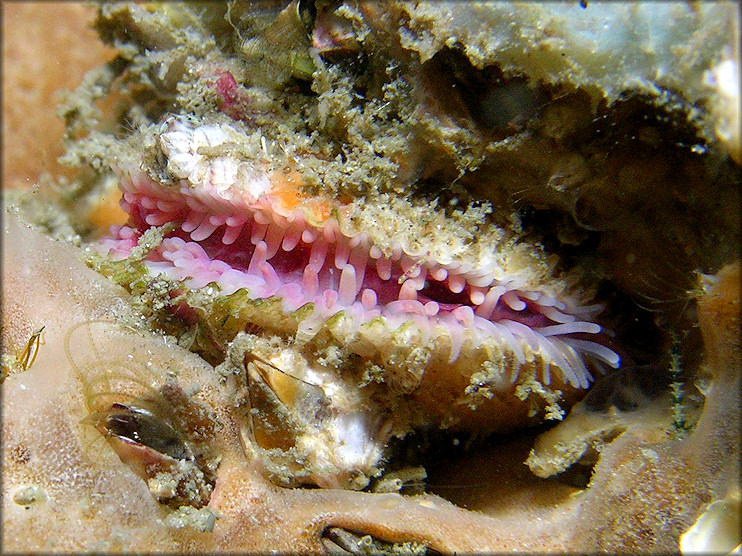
[(303, 434), (25, 359), (282, 49), (31, 349), (291, 390), (280, 413), (410, 480), (143, 427), (333, 36), (148, 420), (338, 540)]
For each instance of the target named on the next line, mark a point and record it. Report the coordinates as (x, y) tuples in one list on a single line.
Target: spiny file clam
[(456, 327)]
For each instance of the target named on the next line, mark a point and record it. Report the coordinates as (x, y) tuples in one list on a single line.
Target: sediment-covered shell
[(308, 426)]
